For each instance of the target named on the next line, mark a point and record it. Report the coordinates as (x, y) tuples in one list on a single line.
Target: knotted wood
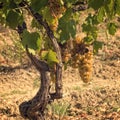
[(34, 108)]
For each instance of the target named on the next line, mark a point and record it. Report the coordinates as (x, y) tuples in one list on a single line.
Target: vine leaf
[(47, 15), (90, 28), (109, 7), (118, 7), (96, 46), (95, 4), (88, 39), (111, 28), (67, 26), (101, 14), (38, 4), (67, 15), (68, 29), (32, 40), (50, 56), (13, 19)]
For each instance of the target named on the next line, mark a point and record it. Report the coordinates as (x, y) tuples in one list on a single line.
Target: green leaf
[(101, 14), (17, 1), (86, 27), (89, 39), (11, 5), (72, 28), (109, 7), (68, 29), (95, 4), (32, 40), (91, 30), (64, 36), (97, 45), (111, 28), (38, 4), (118, 7), (52, 57), (89, 19), (67, 15), (14, 18), (95, 20), (47, 15)]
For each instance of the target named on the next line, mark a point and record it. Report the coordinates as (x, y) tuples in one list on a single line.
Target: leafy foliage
[(13, 19), (38, 4), (59, 20), (32, 40), (95, 4), (62, 21), (111, 28), (50, 56), (67, 26), (54, 39), (117, 4), (97, 45)]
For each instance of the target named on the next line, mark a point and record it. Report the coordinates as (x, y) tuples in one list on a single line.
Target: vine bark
[(34, 108)]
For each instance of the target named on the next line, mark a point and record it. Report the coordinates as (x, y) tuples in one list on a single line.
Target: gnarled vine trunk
[(34, 108)]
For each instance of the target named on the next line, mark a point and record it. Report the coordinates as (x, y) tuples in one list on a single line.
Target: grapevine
[(85, 67), (81, 57), (58, 20), (56, 10)]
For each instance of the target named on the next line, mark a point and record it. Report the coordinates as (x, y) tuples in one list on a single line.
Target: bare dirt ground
[(98, 100)]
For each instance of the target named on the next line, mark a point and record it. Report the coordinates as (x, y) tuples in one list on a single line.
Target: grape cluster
[(79, 57), (85, 66), (82, 59), (56, 10)]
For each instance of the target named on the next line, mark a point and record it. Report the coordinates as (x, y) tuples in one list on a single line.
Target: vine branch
[(58, 72)]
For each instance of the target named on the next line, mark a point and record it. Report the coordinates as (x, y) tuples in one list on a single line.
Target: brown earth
[(98, 100)]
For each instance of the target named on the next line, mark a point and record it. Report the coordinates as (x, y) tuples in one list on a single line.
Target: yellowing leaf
[(44, 54), (52, 57)]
